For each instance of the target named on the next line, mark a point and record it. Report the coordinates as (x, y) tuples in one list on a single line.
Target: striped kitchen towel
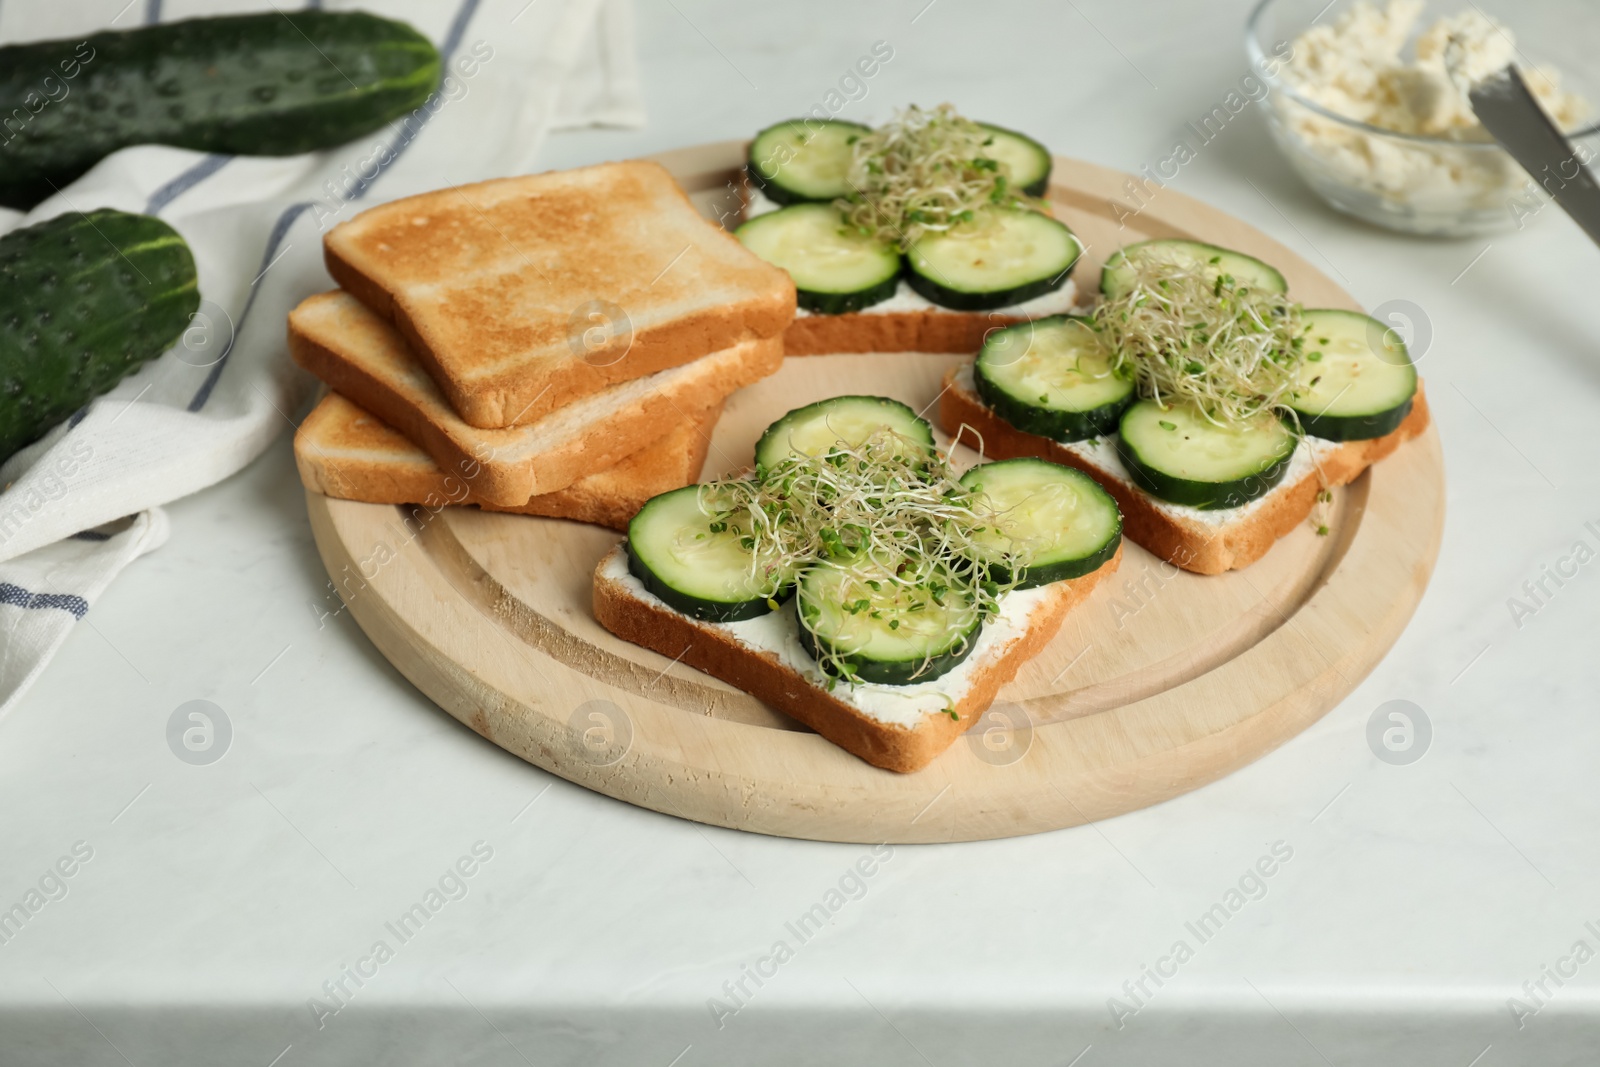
[(83, 502)]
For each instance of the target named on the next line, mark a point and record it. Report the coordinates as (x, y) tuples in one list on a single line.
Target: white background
[(1418, 899)]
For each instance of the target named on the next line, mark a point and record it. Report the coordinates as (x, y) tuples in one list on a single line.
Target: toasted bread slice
[(363, 357), (1205, 542), (344, 452), (524, 294), (898, 728)]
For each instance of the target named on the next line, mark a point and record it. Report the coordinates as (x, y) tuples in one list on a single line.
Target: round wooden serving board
[(1161, 682)]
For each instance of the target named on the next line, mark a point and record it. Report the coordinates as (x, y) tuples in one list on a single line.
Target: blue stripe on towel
[(280, 229), (190, 178), (19, 597)]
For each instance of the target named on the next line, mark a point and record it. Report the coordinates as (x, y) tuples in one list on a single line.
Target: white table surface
[(1418, 900)]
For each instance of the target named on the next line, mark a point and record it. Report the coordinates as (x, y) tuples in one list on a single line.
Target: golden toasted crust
[(342, 451), (498, 284), (364, 358), (893, 331), (895, 748), (1192, 545)]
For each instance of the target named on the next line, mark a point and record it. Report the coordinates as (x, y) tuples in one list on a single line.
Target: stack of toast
[(557, 344)]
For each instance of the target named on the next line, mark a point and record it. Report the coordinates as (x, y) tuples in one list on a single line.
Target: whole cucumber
[(271, 84), (84, 300)]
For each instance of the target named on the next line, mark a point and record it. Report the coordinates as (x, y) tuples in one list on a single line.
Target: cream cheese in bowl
[(1374, 114)]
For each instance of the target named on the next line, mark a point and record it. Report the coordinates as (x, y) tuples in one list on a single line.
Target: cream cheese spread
[(778, 633)]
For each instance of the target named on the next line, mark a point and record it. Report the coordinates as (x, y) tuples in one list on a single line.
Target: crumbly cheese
[(1060, 302), (778, 633), (1356, 67), (1101, 452)]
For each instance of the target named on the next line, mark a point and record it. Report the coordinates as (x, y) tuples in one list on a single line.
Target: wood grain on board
[(1161, 682)]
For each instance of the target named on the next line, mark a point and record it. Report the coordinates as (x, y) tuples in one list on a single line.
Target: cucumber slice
[(803, 159), (1057, 518), (1246, 270), (835, 268), (1026, 160), (1358, 381), (1052, 377), (890, 635), (698, 566), (839, 420), (1006, 256), (1176, 454)]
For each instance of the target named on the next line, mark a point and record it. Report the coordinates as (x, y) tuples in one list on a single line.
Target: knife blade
[(1509, 111)]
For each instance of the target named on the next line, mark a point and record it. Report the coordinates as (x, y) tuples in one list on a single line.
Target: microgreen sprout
[(924, 171), (887, 529), (1187, 331)]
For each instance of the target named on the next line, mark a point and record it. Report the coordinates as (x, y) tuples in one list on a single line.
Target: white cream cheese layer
[(1102, 453), (778, 633)]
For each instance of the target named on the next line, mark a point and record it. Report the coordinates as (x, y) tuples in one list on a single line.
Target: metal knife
[(1509, 111)]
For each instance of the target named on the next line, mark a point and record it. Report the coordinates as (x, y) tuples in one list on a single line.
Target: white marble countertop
[(1418, 901)]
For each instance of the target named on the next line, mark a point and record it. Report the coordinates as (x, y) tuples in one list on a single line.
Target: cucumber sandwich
[(918, 235), (854, 580), (1219, 413)]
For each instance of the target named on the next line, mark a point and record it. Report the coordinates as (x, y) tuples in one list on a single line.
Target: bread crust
[(1186, 543), (894, 331), (892, 747), (489, 458), (371, 257), (342, 451)]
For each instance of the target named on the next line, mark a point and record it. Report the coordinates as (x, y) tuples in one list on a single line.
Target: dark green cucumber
[(888, 635), (1176, 454), (1056, 521), (839, 420), (1246, 270), (1007, 256), (1052, 377), (1357, 382), (1027, 160), (698, 564), (84, 300), (273, 84)]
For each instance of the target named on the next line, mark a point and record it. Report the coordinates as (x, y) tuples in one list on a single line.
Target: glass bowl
[(1409, 182)]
